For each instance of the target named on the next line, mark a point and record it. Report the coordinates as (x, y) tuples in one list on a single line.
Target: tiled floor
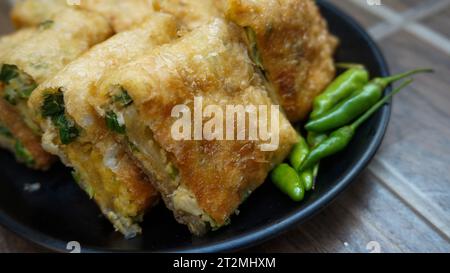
[(402, 201)]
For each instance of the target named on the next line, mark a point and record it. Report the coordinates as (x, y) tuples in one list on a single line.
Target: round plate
[(60, 212)]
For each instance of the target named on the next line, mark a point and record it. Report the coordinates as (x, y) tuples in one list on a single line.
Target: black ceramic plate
[(60, 212)]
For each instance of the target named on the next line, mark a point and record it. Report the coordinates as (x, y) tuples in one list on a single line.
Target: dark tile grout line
[(395, 21)]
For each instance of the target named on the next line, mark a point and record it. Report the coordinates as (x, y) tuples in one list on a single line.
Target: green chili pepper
[(309, 176), (340, 138), (296, 158), (314, 139), (288, 181), (342, 87), (348, 110), (299, 153), (307, 179), (349, 65)]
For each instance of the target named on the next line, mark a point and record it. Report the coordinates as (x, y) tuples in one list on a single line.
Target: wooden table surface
[(401, 203)]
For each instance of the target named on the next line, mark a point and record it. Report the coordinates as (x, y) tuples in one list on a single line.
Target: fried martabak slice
[(290, 41), (122, 15), (30, 56), (74, 132), (202, 181)]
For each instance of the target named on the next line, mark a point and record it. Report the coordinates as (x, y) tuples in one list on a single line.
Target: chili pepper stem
[(339, 139), (349, 65), (374, 108), (386, 81)]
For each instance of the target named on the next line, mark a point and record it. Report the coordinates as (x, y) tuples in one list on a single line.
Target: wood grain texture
[(439, 22), (417, 144), (10, 242), (402, 201), (366, 212), (405, 5)]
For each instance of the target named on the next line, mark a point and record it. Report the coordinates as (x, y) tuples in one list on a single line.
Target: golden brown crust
[(109, 176), (191, 14), (213, 63), (79, 77), (50, 48), (27, 13), (120, 188), (40, 52), (122, 15), (295, 45), (10, 118), (12, 40)]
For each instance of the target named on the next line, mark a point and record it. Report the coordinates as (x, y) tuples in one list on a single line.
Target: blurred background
[(401, 203)]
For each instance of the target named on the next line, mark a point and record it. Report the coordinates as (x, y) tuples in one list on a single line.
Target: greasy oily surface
[(118, 184), (49, 48), (295, 45), (11, 119), (10, 41), (210, 62), (28, 13), (192, 14), (41, 52), (80, 77), (122, 15)]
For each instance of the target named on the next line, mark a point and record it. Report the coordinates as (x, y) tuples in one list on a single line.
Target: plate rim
[(268, 231)]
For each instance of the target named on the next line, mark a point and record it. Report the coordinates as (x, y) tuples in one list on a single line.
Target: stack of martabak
[(97, 85)]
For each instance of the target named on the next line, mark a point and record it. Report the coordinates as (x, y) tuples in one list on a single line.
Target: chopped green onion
[(46, 24), (53, 107), (113, 124), (22, 154), (68, 131), (18, 84), (172, 171), (8, 73), (53, 104), (253, 44), (121, 97)]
